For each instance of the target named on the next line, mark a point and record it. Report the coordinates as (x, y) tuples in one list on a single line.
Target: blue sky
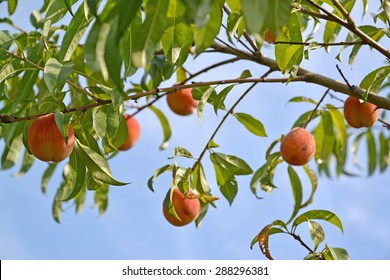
[(133, 226)]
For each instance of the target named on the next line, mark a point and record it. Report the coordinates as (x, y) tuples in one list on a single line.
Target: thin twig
[(297, 237), (344, 78), (309, 77), (349, 24), (315, 109), (321, 44), (228, 113), (246, 35), (38, 67)]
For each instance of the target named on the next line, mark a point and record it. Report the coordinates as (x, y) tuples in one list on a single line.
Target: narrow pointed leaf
[(167, 132), (252, 124), (296, 187)]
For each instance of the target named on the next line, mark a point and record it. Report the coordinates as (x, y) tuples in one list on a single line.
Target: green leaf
[(296, 187), (6, 39), (182, 178), (203, 211), (252, 124), (372, 154), (324, 215), (80, 200), (12, 4), (101, 199), (314, 184), (334, 253), (167, 132), (373, 81), (96, 48), (332, 29), (96, 165), (289, 57), (198, 11), (56, 10), (28, 161), (11, 152), (299, 99), (233, 164), (150, 32), (375, 33), (204, 37), (324, 137), (199, 179), (92, 6), (302, 120), (265, 174), (220, 98), (129, 41), (51, 73), (75, 31), (157, 173), (384, 155), (106, 123), (235, 25), (64, 187), (226, 180), (25, 92), (265, 14), (339, 123), (245, 74), (178, 35), (202, 103), (78, 172), (62, 122), (355, 148), (47, 174), (69, 7), (316, 233), (226, 168), (182, 152), (126, 11)]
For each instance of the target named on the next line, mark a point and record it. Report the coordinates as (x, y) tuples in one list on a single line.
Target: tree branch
[(321, 44), (349, 24), (38, 67), (228, 113), (309, 77)]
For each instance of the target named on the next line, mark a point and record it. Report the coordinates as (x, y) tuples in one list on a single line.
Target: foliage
[(80, 56)]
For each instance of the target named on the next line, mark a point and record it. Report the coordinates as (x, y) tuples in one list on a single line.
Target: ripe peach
[(357, 114), (46, 142), (298, 147), (134, 130), (269, 37), (187, 208), (181, 102)]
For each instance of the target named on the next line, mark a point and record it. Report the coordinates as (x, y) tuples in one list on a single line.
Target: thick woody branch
[(310, 77), (348, 24)]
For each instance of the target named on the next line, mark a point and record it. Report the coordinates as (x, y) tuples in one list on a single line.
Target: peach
[(269, 37), (181, 102), (134, 131), (187, 208), (298, 147), (46, 141), (357, 114)]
